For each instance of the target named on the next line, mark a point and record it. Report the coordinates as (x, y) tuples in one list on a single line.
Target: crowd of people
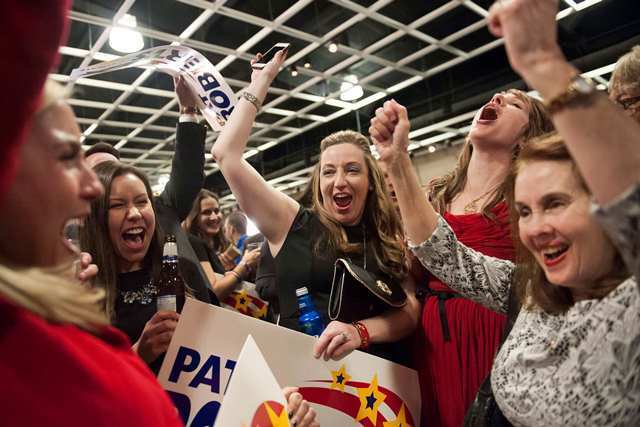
[(510, 285)]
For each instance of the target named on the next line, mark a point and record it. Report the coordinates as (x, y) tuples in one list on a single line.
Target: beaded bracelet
[(364, 335)]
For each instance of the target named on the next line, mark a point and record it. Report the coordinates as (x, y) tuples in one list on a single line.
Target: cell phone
[(268, 56)]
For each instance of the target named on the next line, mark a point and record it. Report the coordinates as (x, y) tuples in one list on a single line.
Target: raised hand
[(529, 30), (270, 71), (389, 131), (186, 97)]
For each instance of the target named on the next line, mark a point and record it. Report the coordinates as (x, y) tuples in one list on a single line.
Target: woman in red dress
[(458, 338)]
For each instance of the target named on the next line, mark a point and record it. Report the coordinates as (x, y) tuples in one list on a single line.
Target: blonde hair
[(627, 70), (379, 215), (443, 190), (46, 292)]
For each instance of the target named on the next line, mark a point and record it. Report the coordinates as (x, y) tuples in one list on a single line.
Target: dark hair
[(192, 225), (103, 147), (238, 220), (443, 190), (532, 287), (379, 214), (95, 238)]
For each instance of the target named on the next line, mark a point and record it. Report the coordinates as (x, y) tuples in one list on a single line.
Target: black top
[(298, 264), (266, 281), (135, 305), (205, 253), (173, 205)]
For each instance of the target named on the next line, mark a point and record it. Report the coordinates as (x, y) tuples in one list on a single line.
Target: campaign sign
[(216, 98), (264, 405), (245, 299), (360, 389)]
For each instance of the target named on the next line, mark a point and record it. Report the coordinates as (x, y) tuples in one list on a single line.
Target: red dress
[(451, 371), (58, 375)]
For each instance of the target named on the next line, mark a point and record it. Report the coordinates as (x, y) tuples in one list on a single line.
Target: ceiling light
[(432, 149), (294, 71), (333, 48), (123, 38), (349, 89), (307, 65)]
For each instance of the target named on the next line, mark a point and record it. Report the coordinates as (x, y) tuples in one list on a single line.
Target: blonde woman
[(351, 217)]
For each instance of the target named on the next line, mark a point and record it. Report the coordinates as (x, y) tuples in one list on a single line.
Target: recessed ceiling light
[(432, 149), (294, 71), (307, 65), (333, 48)]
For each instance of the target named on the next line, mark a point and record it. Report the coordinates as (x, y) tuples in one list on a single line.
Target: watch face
[(582, 85)]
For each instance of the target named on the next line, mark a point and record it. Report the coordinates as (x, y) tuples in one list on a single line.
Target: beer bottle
[(171, 285)]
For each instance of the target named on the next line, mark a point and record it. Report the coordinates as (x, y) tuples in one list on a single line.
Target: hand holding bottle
[(156, 335)]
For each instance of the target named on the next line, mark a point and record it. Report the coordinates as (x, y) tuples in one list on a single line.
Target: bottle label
[(167, 303)]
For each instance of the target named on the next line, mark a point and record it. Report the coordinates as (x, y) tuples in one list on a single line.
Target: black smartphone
[(268, 56)]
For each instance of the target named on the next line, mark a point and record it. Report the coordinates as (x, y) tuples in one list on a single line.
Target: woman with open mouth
[(57, 347), (458, 338), (125, 232), (572, 357), (351, 217)]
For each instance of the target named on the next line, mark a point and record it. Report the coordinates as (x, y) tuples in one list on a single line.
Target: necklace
[(143, 295), (472, 206)]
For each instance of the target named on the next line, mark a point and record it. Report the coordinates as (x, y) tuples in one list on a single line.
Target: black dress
[(298, 264)]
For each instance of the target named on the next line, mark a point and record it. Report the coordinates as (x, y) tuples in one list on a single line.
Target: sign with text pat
[(360, 389)]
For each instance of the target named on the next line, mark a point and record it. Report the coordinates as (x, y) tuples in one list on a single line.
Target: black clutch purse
[(356, 294)]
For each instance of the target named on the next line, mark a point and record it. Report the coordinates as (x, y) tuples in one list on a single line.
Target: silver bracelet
[(252, 99)]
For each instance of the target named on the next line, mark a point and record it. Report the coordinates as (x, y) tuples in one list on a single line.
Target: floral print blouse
[(579, 368)]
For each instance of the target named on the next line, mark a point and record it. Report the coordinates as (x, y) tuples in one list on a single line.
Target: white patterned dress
[(580, 368)]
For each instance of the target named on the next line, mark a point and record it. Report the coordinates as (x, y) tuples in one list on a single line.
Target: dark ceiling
[(436, 57)]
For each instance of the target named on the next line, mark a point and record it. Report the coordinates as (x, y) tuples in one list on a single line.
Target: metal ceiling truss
[(450, 129)]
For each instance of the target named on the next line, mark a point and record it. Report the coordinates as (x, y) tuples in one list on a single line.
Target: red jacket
[(59, 375)]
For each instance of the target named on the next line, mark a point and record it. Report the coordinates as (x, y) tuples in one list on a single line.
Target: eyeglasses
[(629, 103)]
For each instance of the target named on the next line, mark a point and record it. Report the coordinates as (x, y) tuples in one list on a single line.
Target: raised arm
[(187, 167), (604, 141), (484, 279), (272, 211), (390, 133)]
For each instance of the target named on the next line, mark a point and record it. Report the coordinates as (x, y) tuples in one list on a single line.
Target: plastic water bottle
[(310, 321)]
